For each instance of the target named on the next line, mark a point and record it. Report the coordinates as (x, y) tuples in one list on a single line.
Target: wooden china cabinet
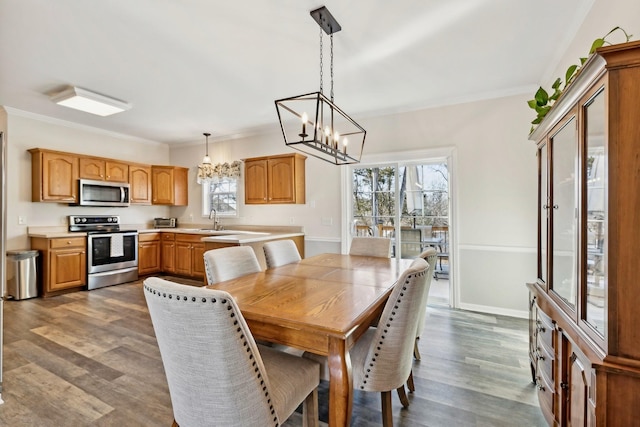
[(585, 303)]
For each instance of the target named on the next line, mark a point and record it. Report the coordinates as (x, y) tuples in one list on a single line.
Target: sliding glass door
[(407, 202)]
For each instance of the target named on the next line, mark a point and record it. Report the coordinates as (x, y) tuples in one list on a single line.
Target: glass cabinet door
[(594, 269), (564, 147), (543, 213)]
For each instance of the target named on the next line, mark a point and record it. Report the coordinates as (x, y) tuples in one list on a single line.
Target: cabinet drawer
[(148, 237), (168, 237), (191, 238), (546, 397), (69, 242), (545, 328), (546, 362)]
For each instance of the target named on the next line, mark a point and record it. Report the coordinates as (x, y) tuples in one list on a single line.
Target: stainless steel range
[(112, 253)]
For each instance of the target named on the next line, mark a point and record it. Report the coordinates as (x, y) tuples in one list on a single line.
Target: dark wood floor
[(91, 359)]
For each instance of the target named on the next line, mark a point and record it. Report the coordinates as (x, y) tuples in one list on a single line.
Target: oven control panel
[(94, 223)]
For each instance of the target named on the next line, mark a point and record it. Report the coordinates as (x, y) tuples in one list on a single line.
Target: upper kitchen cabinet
[(103, 169), (54, 176), (140, 184), (275, 179), (169, 185), (584, 305)]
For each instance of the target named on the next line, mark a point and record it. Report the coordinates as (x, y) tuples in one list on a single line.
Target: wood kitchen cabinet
[(103, 169), (275, 179), (149, 253), (168, 252), (140, 184), (169, 185), (64, 264), (54, 176), (189, 255), (585, 302)]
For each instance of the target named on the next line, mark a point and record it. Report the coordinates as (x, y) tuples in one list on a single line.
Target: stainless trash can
[(22, 278)]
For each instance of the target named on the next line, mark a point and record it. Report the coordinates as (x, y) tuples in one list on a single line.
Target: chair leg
[(387, 410), (410, 385), (174, 424), (310, 410), (403, 396), (416, 351)]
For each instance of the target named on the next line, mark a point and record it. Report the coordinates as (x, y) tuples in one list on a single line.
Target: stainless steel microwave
[(103, 193)]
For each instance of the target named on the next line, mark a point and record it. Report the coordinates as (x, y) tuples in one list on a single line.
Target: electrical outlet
[(327, 220), (22, 220), (312, 204), (292, 220), (191, 218)]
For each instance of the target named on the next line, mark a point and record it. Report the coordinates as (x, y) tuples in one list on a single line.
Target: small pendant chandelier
[(312, 123), (206, 160)]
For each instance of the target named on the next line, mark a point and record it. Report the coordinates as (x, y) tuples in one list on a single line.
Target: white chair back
[(431, 256), (280, 252), (228, 263), (371, 246), (385, 364)]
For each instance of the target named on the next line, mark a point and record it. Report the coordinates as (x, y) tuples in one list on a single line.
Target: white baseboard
[(495, 310)]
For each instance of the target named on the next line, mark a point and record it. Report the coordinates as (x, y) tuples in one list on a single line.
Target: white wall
[(496, 182), (25, 131)]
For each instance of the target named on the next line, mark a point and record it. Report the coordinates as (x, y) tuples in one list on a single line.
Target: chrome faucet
[(215, 218)]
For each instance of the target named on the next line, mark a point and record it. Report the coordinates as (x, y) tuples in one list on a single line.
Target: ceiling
[(194, 66)]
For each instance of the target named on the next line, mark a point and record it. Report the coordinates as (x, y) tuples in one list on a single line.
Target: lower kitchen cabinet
[(189, 255), (149, 251), (64, 264), (168, 264)]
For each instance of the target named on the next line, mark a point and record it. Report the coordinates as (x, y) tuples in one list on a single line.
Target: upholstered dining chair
[(431, 256), (217, 374), (229, 263), (280, 252), (381, 359), (371, 246)]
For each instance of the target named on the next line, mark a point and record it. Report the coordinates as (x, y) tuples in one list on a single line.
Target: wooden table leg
[(340, 384)]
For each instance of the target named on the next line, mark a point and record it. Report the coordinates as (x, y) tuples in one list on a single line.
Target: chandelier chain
[(321, 66), (331, 67)]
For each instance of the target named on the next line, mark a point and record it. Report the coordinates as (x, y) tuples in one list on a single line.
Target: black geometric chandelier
[(312, 123)]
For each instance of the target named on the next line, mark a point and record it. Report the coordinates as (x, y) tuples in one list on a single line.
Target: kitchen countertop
[(248, 234), (229, 236)]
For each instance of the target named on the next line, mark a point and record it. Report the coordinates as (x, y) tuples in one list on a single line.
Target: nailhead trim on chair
[(242, 337), (388, 325)]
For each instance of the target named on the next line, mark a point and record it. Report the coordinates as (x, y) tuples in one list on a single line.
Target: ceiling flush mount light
[(313, 124), (89, 102)]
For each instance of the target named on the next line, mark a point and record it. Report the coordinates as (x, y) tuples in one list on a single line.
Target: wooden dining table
[(321, 304)]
